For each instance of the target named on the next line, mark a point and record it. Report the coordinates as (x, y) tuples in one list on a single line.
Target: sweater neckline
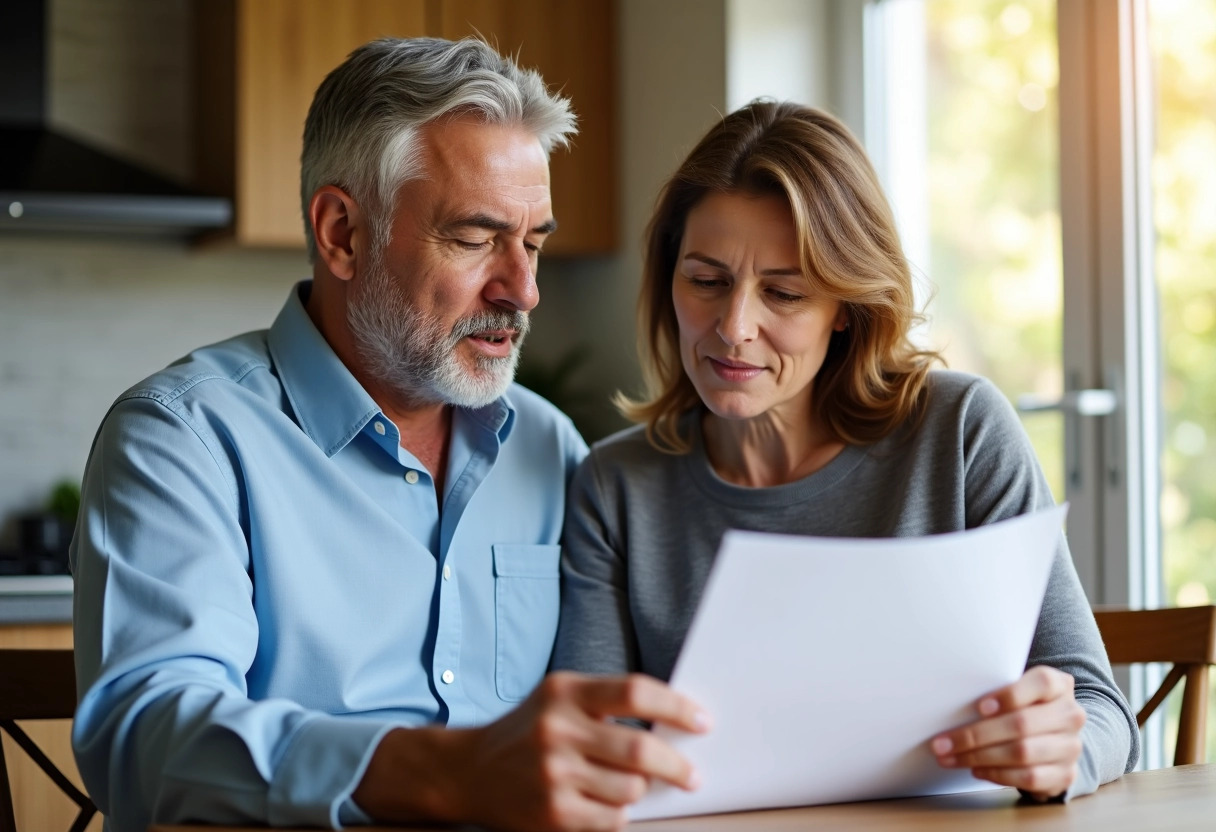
[(800, 490)]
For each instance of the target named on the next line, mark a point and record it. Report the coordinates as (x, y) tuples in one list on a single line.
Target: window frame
[(1110, 314)]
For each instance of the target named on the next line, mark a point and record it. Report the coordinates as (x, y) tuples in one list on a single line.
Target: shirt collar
[(329, 403), (497, 417)]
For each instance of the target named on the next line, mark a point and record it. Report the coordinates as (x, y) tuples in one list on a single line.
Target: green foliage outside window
[(995, 239)]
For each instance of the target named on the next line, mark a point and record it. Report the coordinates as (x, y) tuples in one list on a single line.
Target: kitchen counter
[(30, 599)]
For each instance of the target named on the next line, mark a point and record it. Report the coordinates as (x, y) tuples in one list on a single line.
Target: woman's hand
[(1028, 735)]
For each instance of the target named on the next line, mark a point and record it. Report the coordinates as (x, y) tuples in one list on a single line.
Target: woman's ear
[(335, 217), (842, 319)]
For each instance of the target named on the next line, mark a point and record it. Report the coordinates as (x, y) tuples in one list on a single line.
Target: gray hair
[(362, 129)]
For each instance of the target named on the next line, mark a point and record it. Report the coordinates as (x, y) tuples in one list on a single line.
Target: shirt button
[(448, 677), (411, 477), (380, 428), (447, 573)]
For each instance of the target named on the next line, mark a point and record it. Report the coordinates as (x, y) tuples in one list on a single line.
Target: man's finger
[(639, 697), (635, 751), (611, 786), (575, 810)]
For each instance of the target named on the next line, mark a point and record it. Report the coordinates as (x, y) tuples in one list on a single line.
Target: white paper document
[(827, 665)]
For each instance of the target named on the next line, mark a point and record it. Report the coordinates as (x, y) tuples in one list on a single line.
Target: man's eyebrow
[(493, 224), (718, 264)]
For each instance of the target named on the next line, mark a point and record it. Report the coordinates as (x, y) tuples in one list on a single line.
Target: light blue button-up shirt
[(267, 583)]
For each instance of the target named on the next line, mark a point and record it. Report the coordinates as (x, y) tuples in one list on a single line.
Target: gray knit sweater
[(642, 528)]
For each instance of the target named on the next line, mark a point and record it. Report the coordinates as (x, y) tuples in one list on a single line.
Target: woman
[(786, 396)]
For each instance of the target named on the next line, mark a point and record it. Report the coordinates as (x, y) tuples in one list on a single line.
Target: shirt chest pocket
[(526, 604)]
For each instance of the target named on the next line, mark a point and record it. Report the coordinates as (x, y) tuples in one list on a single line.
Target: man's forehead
[(471, 169), (464, 149)]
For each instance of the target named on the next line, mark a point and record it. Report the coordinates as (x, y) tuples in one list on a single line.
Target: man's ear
[(336, 220)]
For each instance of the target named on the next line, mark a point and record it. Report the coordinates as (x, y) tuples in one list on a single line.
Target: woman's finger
[(1041, 782), (1043, 749), (1059, 716), (1038, 684)]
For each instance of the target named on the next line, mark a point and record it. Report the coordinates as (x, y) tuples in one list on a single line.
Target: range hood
[(52, 182)]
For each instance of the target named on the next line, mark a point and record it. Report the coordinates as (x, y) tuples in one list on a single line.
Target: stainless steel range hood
[(50, 181)]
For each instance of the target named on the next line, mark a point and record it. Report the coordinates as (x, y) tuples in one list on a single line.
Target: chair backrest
[(37, 684), (1184, 637)]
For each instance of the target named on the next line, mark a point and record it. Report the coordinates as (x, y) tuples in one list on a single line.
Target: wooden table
[(1179, 798)]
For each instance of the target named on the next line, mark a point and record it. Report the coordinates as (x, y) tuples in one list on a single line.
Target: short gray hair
[(362, 129)]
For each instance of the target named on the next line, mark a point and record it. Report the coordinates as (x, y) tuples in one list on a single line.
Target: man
[(307, 549)]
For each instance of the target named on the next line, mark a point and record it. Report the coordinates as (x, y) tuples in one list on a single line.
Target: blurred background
[(1053, 169)]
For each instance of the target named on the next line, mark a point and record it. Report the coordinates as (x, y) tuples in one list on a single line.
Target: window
[(1051, 166)]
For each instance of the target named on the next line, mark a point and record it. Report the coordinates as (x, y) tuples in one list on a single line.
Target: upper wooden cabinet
[(260, 62), (573, 45)]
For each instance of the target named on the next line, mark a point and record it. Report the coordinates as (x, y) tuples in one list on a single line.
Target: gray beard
[(409, 352)]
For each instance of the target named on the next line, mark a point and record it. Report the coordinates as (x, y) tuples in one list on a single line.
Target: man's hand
[(1028, 735), (557, 762)]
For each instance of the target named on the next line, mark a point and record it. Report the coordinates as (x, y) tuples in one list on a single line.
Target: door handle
[(1074, 404), (1079, 402)]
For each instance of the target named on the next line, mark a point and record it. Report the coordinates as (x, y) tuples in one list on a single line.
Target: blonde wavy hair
[(873, 375)]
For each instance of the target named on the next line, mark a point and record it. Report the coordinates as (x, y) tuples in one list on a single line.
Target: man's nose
[(514, 281), (738, 322)]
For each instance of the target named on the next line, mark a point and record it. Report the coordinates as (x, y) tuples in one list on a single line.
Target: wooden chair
[(1182, 636), (37, 684)]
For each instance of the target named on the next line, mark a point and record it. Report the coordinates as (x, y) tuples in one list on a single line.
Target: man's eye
[(473, 245)]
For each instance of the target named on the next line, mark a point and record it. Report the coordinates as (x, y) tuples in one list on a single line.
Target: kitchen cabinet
[(258, 64), (37, 802), (260, 61), (573, 45)]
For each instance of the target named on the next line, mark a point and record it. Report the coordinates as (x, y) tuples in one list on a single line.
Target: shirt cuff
[(349, 814), (320, 770)]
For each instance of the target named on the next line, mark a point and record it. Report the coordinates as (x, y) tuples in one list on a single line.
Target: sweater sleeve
[(1003, 479), (595, 634)]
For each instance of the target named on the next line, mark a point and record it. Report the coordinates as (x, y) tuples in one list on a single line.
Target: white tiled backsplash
[(82, 319)]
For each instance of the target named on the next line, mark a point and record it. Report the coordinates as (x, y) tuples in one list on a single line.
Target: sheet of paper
[(827, 665)]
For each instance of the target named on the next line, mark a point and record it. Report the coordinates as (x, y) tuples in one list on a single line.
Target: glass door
[(1053, 168), (1182, 39), (964, 129)]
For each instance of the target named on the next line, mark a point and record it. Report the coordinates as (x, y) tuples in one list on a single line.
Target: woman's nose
[(738, 322)]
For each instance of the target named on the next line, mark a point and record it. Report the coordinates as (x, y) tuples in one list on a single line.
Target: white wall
[(778, 49), (83, 319), (672, 87)]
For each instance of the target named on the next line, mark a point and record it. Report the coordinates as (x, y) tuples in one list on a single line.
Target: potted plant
[(45, 535)]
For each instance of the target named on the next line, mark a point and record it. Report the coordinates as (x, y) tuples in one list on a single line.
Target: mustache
[(491, 320)]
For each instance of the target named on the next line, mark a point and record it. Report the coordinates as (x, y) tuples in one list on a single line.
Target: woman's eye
[(784, 297), (706, 282)]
